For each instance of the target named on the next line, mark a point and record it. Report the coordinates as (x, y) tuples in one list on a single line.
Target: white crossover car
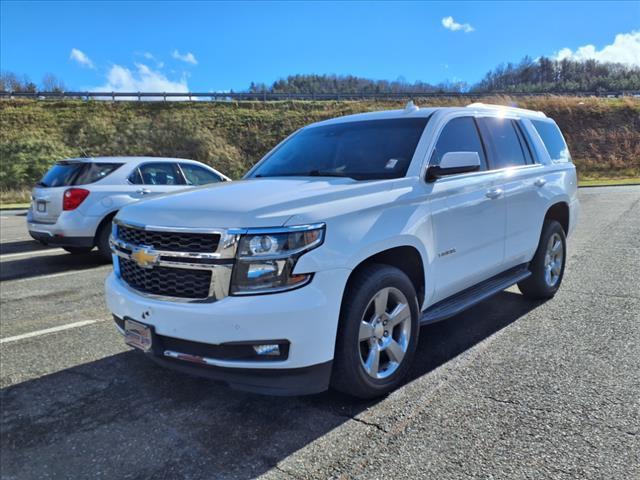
[(74, 203), (320, 266)]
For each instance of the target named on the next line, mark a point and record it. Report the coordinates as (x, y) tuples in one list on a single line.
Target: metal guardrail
[(266, 96)]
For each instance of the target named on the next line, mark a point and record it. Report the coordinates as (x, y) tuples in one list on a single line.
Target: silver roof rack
[(503, 108)]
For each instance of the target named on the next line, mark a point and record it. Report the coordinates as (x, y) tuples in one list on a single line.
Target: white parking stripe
[(34, 253), (46, 331)]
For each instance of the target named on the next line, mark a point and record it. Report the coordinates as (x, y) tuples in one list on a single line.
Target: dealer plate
[(137, 335)]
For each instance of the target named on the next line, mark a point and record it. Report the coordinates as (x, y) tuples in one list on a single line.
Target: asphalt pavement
[(509, 389)]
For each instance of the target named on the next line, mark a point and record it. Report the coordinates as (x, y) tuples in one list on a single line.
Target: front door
[(468, 214)]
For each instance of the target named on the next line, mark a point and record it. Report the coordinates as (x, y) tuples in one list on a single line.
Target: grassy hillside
[(603, 134)]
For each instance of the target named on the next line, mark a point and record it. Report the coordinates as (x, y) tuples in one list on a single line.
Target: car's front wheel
[(377, 334)]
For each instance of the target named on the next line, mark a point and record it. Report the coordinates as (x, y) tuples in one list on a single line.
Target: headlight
[(266, 258)]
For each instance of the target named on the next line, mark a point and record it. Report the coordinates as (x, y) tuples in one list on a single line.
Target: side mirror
[(454, 162)]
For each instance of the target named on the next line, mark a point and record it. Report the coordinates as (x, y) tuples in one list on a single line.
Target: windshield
[(367, 150), (63, 174)]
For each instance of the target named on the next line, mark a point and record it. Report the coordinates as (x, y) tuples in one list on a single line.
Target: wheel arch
[(406, 258), (107, 218), (559, 211)]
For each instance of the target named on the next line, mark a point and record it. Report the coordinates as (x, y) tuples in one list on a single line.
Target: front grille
[(170, 282), (170, 241)]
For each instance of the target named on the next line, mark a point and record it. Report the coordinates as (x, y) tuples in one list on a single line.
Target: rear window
[(64, 174), (553, 141)]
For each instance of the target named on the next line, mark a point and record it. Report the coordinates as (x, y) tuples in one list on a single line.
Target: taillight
[(73, 197)]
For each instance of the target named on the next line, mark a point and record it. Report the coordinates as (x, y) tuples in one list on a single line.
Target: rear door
[(154, 178), (468, 214), (521, 179)]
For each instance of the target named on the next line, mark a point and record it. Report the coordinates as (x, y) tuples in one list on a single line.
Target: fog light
[(271, 350)]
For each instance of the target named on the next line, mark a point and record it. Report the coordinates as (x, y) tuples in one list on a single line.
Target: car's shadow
[(125, 416), (23, 246), (55, 262)]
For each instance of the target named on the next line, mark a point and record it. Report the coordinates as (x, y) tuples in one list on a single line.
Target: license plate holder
[(137, 335), (41, 207)]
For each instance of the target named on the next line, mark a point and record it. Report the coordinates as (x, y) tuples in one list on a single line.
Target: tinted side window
[(92, 172), (160, 174), (195, 175), (459, 135), (553, 141), (524, 142), (135, 177), (76, 173), (502, 138)]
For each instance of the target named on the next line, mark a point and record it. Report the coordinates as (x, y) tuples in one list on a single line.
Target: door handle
[(494, 193), (144, 191), (540, 182)]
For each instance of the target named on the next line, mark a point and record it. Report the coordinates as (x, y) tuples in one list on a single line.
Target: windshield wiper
[(324, 173)]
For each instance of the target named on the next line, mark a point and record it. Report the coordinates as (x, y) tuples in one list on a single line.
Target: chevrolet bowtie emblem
[(145, 257)]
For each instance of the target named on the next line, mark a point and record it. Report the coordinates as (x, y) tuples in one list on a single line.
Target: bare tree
[(51, 83)]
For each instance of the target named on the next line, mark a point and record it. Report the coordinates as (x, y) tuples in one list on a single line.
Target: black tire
[(349, 374), (102, 241), (77, 250), (538, 286)]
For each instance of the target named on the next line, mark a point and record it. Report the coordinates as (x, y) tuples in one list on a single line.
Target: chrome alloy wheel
[(553, 259), (385, 330)]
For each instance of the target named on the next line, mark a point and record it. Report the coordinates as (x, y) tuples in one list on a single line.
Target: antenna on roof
[(411, 107)]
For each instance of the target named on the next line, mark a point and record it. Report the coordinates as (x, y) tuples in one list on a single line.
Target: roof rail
[(504, 108)]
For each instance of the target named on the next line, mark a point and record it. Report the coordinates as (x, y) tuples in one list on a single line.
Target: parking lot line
[(46, 331), (9, 256)]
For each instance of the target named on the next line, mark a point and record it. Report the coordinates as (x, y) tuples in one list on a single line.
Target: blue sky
[(199, 46)]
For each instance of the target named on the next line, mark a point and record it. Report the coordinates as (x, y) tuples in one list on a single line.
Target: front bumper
[(71, 229), (281, 381), (307, 318)]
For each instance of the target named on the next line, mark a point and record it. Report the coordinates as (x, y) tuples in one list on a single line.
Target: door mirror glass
[(452, 163)]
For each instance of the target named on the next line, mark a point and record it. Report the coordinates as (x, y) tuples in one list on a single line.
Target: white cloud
[(185, 57), (450, 24), (142, 79), (624, 49), (81, 57)]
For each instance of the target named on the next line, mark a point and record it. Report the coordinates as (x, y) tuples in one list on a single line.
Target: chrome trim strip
[(187, 357), (119, 245), (289, 229), (159, 228)]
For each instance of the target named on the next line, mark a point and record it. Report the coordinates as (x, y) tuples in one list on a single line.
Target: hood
[(263, 202)]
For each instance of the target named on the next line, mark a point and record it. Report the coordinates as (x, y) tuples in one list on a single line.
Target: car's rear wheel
[(77, 250), (547, 266), (377, 334), (102, 241)]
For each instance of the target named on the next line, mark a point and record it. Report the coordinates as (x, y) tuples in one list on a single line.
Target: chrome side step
[(467, 298)]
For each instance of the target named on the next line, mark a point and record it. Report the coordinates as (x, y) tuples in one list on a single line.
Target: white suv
[(319, 267), (72, 206)]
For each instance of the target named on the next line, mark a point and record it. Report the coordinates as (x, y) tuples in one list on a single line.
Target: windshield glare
[(366, 150)]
